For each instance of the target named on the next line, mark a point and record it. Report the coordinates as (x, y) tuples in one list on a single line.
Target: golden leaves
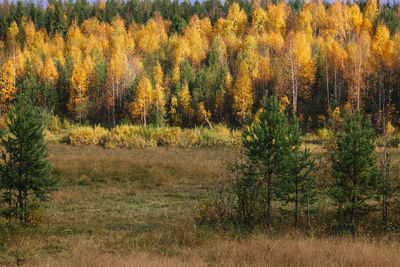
[(243, 93), (78, 92), (139, 108), (7, 87)]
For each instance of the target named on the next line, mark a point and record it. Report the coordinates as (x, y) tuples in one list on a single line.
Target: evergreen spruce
[(355, 170), (25, 172)]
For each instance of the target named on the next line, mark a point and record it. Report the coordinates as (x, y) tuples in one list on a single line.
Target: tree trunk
[(113, 103), (380, 101), (385, 159), (335, 89), (294, 85), (208, 121), (327, 85), (269, 200), (21, 206), (353, 214), (144, 114), (296, 214), (80, 107), (308, 208), (359, 82), (9, 203)]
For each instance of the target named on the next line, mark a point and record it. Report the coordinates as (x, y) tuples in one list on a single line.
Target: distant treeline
[(57, 16), (201, 63)]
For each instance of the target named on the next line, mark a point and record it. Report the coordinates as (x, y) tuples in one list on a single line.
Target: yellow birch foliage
[(49, 71), (56, 48), (298, 70), (141, 105), (243, 93), (158, 95), (29, 33), (249, 53), (335, 23), (185, 102), (276, 18), (203, 115), (356, 18), (20, 64), (357, 67), (173, 112), (228, 83), (77, 104), (11, 36), (7, 88), (150, 37), (382, 47), (305, 21), (259, 19), (75, 43), (372, 10), (196, 39), (236, 19)]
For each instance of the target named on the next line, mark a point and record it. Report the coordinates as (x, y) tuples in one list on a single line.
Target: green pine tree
[(25, 171), (265, 144), (295, 185), (355, 172)]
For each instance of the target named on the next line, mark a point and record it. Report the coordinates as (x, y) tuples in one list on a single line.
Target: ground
[(120, 207)]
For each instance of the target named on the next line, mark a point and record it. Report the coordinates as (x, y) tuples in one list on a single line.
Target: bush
[(133, 136), (88, 135), (216, 213)]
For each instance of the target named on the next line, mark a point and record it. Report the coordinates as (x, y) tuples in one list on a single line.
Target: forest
[(206, 63), (234, 133)]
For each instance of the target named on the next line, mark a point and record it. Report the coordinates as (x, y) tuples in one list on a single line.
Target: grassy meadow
[(122, 207)]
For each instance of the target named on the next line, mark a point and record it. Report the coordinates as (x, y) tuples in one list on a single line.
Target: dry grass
[(120, 207), (256, 251)]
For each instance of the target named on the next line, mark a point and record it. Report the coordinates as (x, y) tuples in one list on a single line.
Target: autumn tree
[(12, 43), (185, 104), (143, 99), (7, 86), (381, 54), (117, 66), (77, 104), (158, 94), (298, 71), (334, 57), (358, 52), (243, 93), (203, 114)]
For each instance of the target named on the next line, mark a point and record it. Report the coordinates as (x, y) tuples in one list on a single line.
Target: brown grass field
[(120, 207)]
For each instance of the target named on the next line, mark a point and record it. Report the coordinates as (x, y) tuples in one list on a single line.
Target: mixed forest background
[(161, 62)]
